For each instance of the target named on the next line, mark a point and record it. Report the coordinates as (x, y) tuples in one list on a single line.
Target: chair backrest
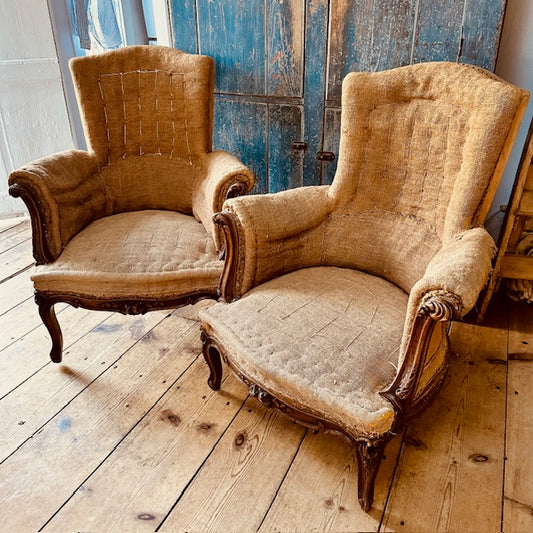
[(145, 100), (148, 117), (422, 149)]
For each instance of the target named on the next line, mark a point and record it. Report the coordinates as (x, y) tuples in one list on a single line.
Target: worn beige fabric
[(221, 171), (392, 245), (68, 192), (145, 99), (418, 149), (150, 182), (280, 232), (148, 119), (460, 268), (143, 254), (327, 338), (431, 132)]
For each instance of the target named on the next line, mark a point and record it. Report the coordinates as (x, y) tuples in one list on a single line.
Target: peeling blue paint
[(267, 95)]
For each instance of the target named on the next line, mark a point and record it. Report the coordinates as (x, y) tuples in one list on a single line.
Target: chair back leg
[(213, 360)]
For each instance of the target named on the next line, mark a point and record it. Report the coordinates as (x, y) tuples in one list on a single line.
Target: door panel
[(316, 37), (240, 128), (367, 36), (183, 19), (280, 65), (285, 48), (481, 33), (232, 32), (258, 48), (332, 130), (438, 31), (459, 30), (284, 126), (257, 45)]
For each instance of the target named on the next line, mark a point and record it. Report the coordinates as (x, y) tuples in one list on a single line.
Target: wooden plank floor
[(126, 435)]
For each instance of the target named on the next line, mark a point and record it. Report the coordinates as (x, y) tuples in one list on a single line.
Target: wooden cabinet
[(280, 64)]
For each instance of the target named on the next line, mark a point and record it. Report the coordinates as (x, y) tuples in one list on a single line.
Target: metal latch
[(325, 156), (299, 145)]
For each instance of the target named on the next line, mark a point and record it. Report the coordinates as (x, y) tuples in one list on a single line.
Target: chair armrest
[(460, 268), (452, 281), (63, 194), (225, 177), (270, 235), (448, 290)]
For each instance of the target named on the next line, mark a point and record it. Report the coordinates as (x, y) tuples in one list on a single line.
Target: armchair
[(339, 298), (127, 226)]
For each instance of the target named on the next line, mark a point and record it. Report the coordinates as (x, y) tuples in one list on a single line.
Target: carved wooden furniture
[(511, 264), (127, 226), (340, 297)]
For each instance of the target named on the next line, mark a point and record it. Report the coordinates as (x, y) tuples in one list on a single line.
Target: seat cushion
[(142, 254), (326, 338)]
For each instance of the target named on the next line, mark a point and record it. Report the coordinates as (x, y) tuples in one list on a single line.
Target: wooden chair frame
[(436, 311), (46, 300), (412, 388)]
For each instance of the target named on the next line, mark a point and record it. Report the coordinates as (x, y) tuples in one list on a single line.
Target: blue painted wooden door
[(280, 64)]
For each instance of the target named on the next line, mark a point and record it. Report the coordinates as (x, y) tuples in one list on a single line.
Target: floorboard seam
[(49, 362), (15, 306), (283, 479), (158, 528), (505, 417), (20, 271), (15, 245), (120, 440), (15, 226), (389, 492), (82, 390)]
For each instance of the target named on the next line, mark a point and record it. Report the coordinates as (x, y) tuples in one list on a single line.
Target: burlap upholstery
[(137, 255), (164, 98), (221, 171), (128, 224), (149, 144), (67, 189), (419, 149), (322, 336)]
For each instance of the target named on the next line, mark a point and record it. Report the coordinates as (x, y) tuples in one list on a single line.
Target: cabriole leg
[(48, 316), (212, 358), (369, 454)]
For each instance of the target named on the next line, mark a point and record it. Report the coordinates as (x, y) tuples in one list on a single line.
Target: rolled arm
[(63, 194), (225, 177), (448, 290), (453, 279), (461, 268), (269, 235)]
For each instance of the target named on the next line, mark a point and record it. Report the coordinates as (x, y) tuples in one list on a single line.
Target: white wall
[(515, 64), (33, 115)]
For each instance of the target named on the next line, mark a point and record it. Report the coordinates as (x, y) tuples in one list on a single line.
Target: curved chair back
[(148, 119), (145, 100), (421, 153)]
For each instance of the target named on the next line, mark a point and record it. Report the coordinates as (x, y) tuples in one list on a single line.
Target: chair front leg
[(369, 455), (213, 360), (48, 316)]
